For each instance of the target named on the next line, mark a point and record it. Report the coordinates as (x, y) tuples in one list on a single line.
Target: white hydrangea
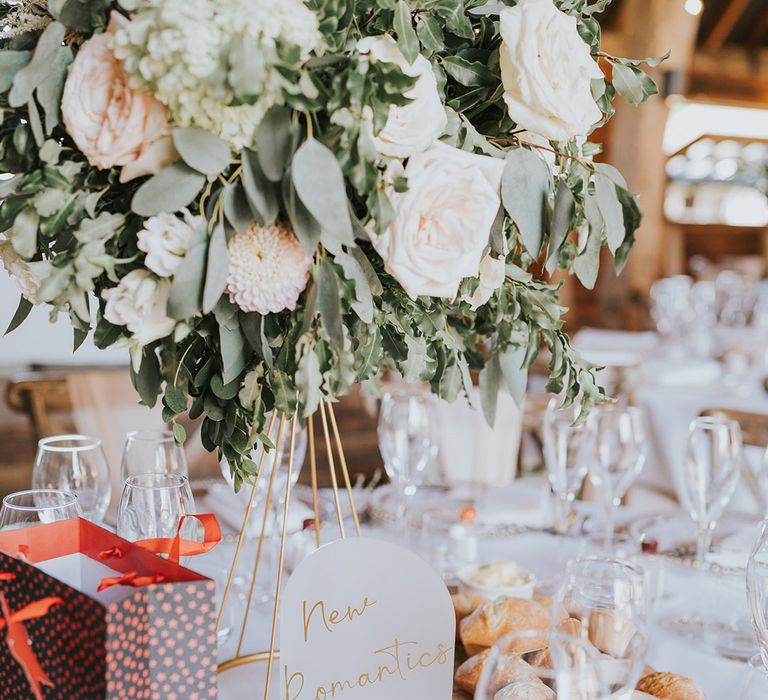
[(166, 239), (182, 51)]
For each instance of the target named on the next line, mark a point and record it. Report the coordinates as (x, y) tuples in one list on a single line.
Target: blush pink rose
[(111, 123)]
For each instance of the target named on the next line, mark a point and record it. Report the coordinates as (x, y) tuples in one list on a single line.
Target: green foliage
[(313, 165)]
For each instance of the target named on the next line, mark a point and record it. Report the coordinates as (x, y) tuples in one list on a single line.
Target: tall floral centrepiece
[(268, 202)]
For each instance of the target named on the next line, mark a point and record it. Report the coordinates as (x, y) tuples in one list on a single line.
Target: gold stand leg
[(313, 471), (246, 517), (332, 470)]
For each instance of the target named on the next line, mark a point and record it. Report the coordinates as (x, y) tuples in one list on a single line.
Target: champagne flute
[(74, 463), (564, 439), (406, 442), (712, 473), (610, 600), (37, 506), (616, 449), (152, 452)]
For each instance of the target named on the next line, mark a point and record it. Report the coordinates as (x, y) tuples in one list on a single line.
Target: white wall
[(37, 341)]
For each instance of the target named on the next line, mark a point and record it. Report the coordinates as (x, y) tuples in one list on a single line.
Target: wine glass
[(757, 590), (75, 463), (608, 604), (712, 473), (152, 452), (756, 684), (36, 506), (541, 664), (564, 438), (152, 506), (406, 442), (616, 451)]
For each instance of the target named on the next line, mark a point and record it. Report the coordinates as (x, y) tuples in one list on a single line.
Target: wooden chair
[(41, 396), (754, 426)]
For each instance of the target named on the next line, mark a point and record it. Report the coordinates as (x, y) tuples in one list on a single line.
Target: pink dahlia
[(268, 269)]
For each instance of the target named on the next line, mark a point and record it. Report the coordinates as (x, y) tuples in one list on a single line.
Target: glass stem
[(562, 508), (703, 543), (610, 522), (402, 510)]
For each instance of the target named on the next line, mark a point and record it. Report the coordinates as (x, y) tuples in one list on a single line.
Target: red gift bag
[(85, 614)]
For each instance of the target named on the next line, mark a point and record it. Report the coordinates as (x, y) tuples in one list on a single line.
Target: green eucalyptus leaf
[(170, 190), (490, 382), (224, 391), (236, 207), (11, 62), (283, 391), (515, 375), (179, 433), (185, 298), (587, 263), (233, 348), (260, 192), (22, 311), (274, 141), (201, 150), (610, 210), (407, 41), (175, 399), (469, 73), (329, 303), (148, 379), (562, 218), (363, 304), (26, 80), (324, 196), (430, 32), (217, 269), (309, 380), (524, 192)]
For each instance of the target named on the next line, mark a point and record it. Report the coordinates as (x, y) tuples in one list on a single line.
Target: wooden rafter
[(724, 26)]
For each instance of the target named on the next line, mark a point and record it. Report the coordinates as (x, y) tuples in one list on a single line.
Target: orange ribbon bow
[(131, 578), (174, 547), (18, 641)]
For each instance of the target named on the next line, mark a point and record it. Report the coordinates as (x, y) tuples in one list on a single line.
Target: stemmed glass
[(152, 452), (757, 590), (616, 451), (712, 473), (33, 507), (564, 438), (406, 442), (152, 505), (539, 664), (74, 463), (609, 599)]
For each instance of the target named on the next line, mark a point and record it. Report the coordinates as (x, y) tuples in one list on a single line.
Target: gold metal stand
[(240, 659)]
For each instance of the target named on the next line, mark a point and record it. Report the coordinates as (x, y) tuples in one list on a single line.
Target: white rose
[(546, 68), (138, 303), (442, 222), (492, 275), (413, 127), (166, 239), (26, 275)]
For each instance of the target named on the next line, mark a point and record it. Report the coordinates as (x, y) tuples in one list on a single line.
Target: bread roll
[(525, 690), (670, 686), (542, 658), (460, 695), (495, 619), (509, 668), (610, 632), (464, 604), (468, 674)]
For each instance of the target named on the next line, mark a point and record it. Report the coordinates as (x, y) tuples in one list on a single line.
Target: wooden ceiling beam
[(724, 26)]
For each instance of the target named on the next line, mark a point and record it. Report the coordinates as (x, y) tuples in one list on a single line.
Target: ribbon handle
[(177, 546), (18, 640)]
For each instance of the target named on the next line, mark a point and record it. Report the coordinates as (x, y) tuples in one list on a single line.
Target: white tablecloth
[(686, 592)]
